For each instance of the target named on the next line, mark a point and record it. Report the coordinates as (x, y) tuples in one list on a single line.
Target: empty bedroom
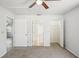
[(39, 28)]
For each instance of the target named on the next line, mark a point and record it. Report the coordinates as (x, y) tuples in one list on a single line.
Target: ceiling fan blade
[(45, 6), (51, 0), (32, 5)]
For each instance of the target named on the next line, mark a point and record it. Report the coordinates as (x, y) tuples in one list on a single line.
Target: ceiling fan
[(41, 2)]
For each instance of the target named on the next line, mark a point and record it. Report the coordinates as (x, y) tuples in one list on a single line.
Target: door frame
[(62, 29)]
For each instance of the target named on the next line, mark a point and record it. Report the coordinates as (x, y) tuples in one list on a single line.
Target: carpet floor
[(55, 51)]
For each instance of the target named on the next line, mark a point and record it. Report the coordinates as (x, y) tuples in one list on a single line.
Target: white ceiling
[(55, 7)]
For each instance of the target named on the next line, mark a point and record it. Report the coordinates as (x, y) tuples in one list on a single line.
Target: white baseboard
[(3, 54), (73, 52)]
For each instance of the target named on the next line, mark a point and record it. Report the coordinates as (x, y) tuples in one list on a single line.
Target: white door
[(23, 32), (46, 35), (29, 32), (38, 34), (20, 35)]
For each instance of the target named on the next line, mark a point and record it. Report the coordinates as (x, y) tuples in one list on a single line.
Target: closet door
[(40, 35), (29, 31), (20, 35), (37, 34), (46, 35)]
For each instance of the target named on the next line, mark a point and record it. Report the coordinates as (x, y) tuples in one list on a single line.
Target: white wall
[(49, 21), (3, 17), (72, 31)]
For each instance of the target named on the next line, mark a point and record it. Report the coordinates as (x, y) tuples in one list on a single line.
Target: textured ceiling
[(55, 7)]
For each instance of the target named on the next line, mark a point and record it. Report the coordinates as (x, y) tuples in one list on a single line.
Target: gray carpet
[(55, 51)]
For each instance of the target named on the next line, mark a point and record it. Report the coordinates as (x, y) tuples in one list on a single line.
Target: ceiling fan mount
[(41, 2)]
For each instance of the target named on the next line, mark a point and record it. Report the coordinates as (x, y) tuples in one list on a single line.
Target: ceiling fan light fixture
[(39, 2)]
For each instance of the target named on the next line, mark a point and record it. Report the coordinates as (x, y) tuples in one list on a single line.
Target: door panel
[(29, 31), (23, 32), (40, 35), (46, 35), (20, 32), (37, 34)]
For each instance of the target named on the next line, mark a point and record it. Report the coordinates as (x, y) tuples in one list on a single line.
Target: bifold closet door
[(38, 34), (47, 35), (29, 32)]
